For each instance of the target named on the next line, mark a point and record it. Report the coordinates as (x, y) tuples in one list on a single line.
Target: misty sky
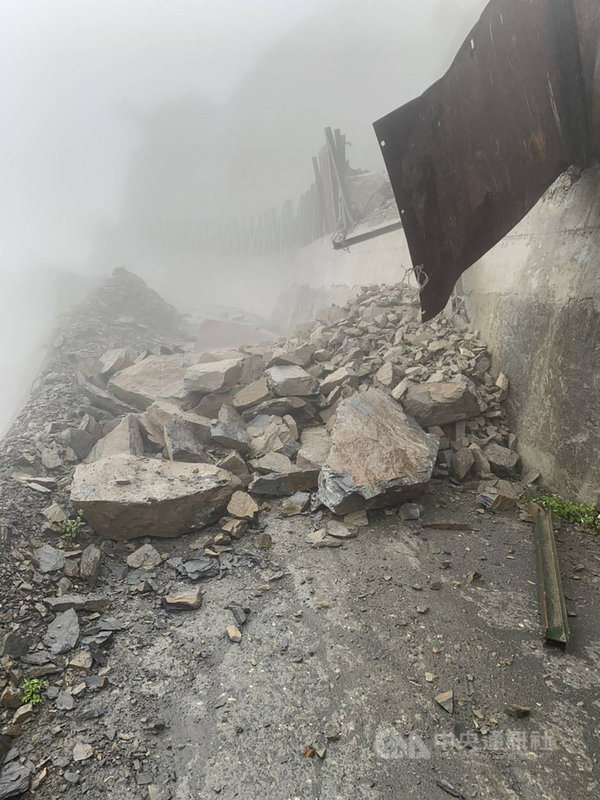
[(114, 110)]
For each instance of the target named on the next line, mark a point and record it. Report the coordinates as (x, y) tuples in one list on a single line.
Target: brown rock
[(251, 395), (145, 557), (234, 634), (242, 506), (213, 376), (149, 380), (181, 601), (438, 403), (503, 461), (315, 446), (295, 504), (124, 438), (233, 527), (290, 380), (378, 456), (124, 496), (90, 564), (461, 462)]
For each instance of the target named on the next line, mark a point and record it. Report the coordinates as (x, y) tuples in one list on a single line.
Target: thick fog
[(119, 113)]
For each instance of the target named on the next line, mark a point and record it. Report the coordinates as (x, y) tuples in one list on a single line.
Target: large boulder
[(149, 380), (214, 376), (378, 455), (291, 380), (438, 403), (125, 496), (125, 438)]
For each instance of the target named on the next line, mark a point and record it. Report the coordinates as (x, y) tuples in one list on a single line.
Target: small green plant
[(31, 691), (586, 515), (71, 528)]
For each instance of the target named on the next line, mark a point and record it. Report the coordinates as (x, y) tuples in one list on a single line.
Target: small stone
[(10, 697), (446, 700), (78, 602), (233, 527), (63, 632), (235, 463), (503, 461), (156, 792), (429, 677), (234, 634), (338, 530), (81, 751), (90, 564), (461, 462), (64, 701), (357, 519), (422, 609), (242, 506), (145, 557), (296, 504), (263, 541), (48, 558), (81, 661), (23, 714), (55, 513), (181, 601), (411, 511)]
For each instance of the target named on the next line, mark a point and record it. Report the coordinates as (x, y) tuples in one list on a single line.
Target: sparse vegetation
[(586, 515), (31, 691), (71, 528)]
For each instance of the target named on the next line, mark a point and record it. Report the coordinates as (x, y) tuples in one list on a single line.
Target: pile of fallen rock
[(357, 411)]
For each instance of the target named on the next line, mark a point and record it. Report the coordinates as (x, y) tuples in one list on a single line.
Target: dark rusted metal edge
[(551, 597), (470, 157)]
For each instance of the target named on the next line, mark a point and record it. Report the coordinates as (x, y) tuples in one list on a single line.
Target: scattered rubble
[(156, 439)]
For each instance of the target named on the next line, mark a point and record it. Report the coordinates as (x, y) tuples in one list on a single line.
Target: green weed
[(31, 691), (586, 515), (71, 528)]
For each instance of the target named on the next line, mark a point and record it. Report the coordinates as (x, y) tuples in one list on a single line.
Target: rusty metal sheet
[(470, 157)]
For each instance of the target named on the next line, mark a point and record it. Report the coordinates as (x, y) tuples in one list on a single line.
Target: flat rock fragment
[(124, 496)]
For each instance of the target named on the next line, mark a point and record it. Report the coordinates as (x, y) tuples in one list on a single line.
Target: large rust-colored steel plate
[(470, 157)]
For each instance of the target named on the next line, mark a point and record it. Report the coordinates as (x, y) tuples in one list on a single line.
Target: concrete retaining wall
[(536, 300), (318, 275)]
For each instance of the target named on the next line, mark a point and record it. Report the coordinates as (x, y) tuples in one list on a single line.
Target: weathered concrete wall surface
[(318, 275), (536, 300)]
